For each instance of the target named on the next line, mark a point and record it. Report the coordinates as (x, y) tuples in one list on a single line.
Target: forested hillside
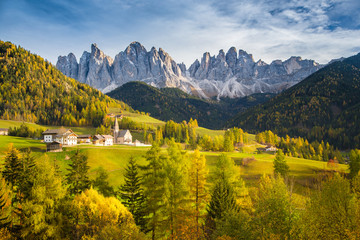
[(33, 90), (174, 104), (324, 106)]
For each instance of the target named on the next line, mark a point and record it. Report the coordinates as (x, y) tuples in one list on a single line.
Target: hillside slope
[(324, 106), (33, 90), (174, 104)]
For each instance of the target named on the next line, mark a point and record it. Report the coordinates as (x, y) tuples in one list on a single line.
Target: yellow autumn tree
[(102, 217)]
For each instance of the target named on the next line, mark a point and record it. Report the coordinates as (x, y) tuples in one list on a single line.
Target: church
[(123, 136)]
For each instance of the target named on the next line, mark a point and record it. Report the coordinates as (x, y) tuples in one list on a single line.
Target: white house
[(271, 149), (61, 135), (109, 140), (4, 131), (103, 140)]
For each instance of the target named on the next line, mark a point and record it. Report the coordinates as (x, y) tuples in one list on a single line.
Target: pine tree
[(77, 178), (132, 194), (197, 182), (13, 167), (280, 165), (28, 165), (101, 182), (154, 190), (5, 204), (222, 199)]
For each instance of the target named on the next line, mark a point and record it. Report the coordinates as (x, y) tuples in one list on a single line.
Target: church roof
[(123, 132)]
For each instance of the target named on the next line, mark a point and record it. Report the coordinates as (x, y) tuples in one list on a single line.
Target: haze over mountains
[(232, 74)]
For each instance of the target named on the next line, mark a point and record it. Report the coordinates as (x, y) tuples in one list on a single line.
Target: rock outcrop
[(234, 74)]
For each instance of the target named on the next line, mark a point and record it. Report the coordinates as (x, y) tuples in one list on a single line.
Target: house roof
[(4, 129), (98, 136), (84, 136), (123, 132), (107, 136), (59, 131), (54, 142)]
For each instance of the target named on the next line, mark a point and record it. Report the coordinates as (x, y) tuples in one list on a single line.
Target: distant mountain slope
[(326, 105), (174, 104), (232, 74), (32, 90)]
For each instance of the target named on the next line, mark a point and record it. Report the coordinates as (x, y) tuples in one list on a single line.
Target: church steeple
[(116, 127)]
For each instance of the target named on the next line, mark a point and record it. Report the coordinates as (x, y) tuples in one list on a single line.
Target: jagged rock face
[(68, 65), (239, 75), (234, 74)]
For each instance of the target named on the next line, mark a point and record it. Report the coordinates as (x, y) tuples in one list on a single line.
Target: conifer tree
[(176, 189), (132, 194), (28, 165), (5, 204), (280, 165), (222, 200), (154, 190), (77, 178), (273, 210), (42, 218), (197, 181), (12, 172), (101, 182), (354, 163)]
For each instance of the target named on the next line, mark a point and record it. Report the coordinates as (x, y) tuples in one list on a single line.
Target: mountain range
[(325, 105), (232, 74)]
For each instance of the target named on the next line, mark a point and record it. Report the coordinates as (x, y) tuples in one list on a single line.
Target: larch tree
[(154, 190), (5, 204), (354, 163), (280, 166), (42, 218), (197, 182), (176, 189), (273, 210)]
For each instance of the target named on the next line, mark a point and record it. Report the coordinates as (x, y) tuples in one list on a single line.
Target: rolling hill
[(33, 90), (174, 104), (324, 106)]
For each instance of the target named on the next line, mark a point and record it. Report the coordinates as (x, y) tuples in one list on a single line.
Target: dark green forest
[(324, 106), (173, 104), (33, 90)]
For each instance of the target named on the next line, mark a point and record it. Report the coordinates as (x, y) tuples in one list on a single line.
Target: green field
[(114, 159)]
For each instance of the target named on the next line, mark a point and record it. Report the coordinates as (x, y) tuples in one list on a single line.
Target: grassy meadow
[(114, 159)]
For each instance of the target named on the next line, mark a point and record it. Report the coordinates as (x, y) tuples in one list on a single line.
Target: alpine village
[(140, 146)]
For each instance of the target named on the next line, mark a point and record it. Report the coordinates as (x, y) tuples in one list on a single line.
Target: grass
[(114, 160), (78, 130)]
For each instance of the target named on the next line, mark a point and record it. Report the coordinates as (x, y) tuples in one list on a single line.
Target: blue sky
[(314, 29)]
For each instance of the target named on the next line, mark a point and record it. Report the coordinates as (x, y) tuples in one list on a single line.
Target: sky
[(269, 29)]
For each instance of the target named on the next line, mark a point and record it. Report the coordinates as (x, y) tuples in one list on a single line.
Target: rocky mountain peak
[(230, 74)]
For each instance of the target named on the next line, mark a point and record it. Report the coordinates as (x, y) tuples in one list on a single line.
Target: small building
[(270, 148), (85, 138), (61, 135), (98, 140), (54, 147), (4, 131), (103, 140), (108, 140)]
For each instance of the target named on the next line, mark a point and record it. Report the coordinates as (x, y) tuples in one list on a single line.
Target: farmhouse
[(103, 140), (61, 135), (270, 148), (84, 138), (4, 131), (54, 147)]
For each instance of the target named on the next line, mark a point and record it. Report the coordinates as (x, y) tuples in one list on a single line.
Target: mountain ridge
[(234, 74), (325, 105)]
